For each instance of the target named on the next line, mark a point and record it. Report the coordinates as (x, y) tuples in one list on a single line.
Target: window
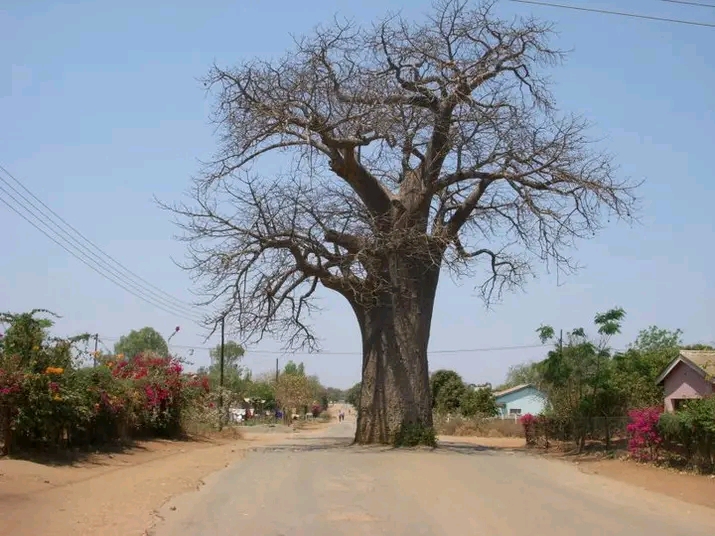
[(515, 411)]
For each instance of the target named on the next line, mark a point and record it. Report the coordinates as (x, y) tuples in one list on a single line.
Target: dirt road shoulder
[(111, 494), (688, 487)]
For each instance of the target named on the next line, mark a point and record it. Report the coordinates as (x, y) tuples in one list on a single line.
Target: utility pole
[(561, 342), (220, 378), (277, 370), (94, 355)]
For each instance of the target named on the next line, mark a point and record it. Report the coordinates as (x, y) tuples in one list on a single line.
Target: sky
[(101, 109)]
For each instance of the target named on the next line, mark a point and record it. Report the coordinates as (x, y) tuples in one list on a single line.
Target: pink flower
[(644, 438), (527, 420)]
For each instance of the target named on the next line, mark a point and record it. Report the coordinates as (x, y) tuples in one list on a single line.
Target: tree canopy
[(589, 385), (451, 394), (143, 340), (232, 354), (294, 369), (447, 390)]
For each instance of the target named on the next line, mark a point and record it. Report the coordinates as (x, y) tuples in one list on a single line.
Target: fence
[(456, 425), (587, 430), (543, 431)]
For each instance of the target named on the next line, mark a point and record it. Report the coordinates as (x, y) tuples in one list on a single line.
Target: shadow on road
[(345, 445), (471, 448)]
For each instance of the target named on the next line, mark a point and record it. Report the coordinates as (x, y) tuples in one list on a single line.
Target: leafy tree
[(479, 401), (352, 396), (262, 389), (235, 377), (655, 339), (293, 369), (635, 370), (521, 374), (578, 375), (146, 339), (27, 338), (293, 391), (334, 394), (232, 354), (317, 391), (412, 148), (447, 390)]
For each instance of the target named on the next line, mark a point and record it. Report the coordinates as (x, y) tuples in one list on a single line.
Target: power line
[(114, 263), (86, 255), (331, 353), (686, 3), (618, 13), (79, 256)]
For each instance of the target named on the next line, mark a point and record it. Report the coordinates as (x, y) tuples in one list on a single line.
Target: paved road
[(319, 486)]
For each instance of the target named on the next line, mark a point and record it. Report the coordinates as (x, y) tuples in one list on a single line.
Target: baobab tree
[(406, 149)]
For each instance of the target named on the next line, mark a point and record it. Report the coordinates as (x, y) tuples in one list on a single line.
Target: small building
[(688, 376), (520, 400)]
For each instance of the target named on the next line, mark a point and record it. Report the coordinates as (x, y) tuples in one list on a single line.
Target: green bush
[(691, 431), (48, 400), (415, 434)]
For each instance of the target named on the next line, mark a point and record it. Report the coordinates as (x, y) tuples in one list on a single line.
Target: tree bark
[(395, 401)]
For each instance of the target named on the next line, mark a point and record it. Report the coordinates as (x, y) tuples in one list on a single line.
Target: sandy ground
[(112, 494), (121, 494), (688, 487), (319, 487)]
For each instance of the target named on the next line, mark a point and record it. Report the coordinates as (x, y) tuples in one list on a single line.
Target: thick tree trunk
[(395, 401)]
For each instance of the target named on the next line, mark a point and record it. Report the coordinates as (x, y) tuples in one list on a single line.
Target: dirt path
[(112, 494), (318, 487)]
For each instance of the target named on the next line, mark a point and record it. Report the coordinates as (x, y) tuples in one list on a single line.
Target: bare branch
[(395, 149)]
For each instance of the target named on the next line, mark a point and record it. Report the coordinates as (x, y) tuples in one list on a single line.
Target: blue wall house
[(520, 400)]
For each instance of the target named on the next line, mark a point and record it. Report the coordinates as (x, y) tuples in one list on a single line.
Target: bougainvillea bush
[(644, 439), (48, 399), (157, 384), (528, 421)]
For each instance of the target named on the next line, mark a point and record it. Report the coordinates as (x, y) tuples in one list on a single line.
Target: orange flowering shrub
[(49, 399)]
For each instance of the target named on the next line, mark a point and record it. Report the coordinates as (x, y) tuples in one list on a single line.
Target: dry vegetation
[(476, 426)]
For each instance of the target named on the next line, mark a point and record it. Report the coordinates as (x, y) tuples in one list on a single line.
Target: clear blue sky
[(100, 109)]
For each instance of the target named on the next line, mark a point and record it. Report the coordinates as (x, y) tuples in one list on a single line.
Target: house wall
[(529, 400), (684, 382)]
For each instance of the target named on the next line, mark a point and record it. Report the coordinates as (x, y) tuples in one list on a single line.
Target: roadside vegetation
[(56, 395), (598, 398), (602, 398)]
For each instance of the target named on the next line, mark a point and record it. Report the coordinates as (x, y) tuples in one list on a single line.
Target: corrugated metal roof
[(512, 390)]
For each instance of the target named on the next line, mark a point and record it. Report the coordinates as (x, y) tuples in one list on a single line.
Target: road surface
[(320, 486)]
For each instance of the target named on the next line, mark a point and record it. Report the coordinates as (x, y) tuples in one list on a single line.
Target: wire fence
[(543, 431), (605, 430)]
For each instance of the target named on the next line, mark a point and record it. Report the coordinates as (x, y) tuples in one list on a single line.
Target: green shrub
[(692, 431), (415, 434), (48, 400)]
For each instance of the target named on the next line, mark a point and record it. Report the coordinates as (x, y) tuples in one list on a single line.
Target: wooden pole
[(220, 380)]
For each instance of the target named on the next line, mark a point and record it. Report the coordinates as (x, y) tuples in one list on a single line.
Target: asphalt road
[(319, 486)]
